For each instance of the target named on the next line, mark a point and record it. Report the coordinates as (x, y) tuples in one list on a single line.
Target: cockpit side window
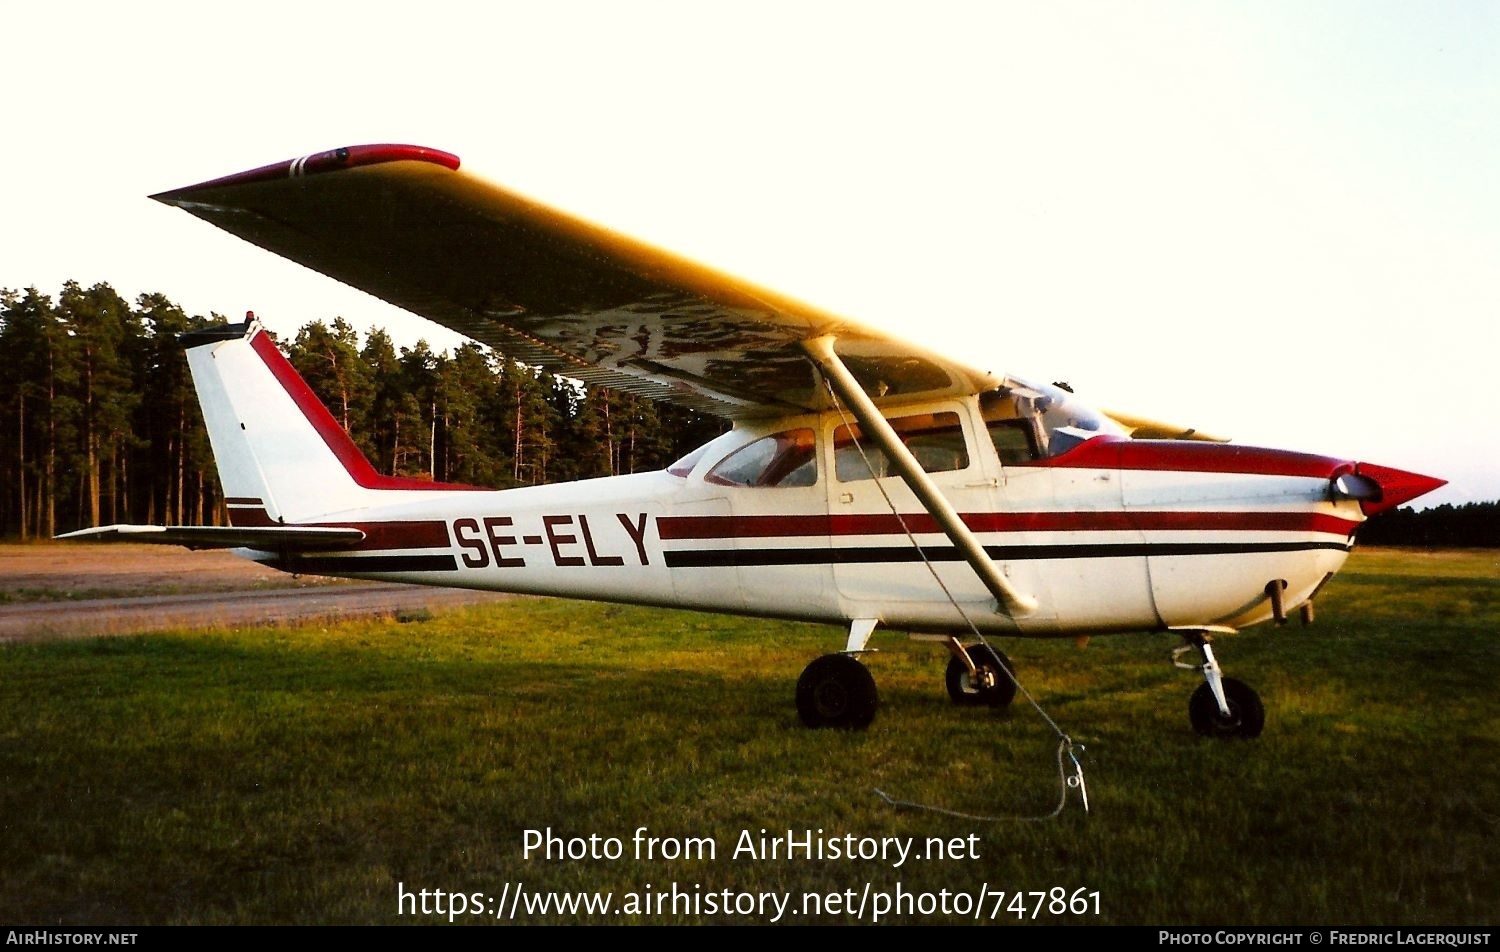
[(1015, 441), (782, 460), (935, 439)]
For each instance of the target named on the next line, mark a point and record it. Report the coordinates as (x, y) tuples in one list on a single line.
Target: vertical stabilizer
[(274, 464), (282, 457)]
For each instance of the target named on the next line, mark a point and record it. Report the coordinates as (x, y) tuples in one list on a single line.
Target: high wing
[(405, 224)]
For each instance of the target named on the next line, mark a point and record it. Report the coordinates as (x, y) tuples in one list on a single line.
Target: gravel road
[(78, 591)]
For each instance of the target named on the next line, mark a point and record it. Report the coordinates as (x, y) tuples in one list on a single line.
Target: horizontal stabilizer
[(225, 537)]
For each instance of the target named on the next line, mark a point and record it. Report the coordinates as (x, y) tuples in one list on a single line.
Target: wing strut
[(820, 351)]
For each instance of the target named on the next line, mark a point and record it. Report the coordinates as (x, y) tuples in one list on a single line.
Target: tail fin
[(282, 457)]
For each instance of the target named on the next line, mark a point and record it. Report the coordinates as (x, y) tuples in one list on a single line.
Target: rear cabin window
[(784, 460), (935, 439), (685, 466)]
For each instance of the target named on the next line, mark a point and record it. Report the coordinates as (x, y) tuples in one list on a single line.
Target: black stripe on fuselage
[(366, 565), (865, 555)]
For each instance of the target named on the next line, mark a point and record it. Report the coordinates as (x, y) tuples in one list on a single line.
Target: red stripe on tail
[(343, 448)]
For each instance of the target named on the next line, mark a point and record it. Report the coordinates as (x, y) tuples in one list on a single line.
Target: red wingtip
[(347, 157), (1396, 486)]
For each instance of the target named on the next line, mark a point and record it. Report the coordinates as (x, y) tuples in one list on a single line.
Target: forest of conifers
[(100, 423)]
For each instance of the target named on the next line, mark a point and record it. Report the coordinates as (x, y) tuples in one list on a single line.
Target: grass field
[(300, 775)]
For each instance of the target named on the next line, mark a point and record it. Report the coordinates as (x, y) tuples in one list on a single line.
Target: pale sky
[(1277, 221)]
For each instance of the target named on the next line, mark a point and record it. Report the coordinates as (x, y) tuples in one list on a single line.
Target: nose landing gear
[(984, 678), (1221, 707)]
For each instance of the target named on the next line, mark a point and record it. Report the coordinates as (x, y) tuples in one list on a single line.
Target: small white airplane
[(866, 483)]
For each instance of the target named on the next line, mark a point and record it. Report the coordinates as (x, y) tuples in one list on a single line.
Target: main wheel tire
[(838, 691), (966, 691), (1247, 717)]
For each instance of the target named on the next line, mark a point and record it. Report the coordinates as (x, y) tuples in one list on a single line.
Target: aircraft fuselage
[(1110, 535)]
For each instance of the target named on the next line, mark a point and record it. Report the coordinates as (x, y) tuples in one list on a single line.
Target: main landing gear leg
[(1221, 707)]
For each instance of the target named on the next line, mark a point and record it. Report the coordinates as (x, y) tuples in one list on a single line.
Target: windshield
[(1035, 421)]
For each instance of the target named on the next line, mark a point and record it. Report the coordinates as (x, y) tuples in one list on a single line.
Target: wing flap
[(553, 290)]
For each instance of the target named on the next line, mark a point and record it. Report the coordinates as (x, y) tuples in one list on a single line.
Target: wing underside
[(549, 289)]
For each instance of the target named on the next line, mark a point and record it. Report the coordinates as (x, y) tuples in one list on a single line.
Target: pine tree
[(469, 450), (176, 452), (329, 359), (38, 355), (418, 381), (101, 324)]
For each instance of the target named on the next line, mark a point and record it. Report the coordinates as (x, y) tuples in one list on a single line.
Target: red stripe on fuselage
[(242, 517), (1189, 456), (400, 535), (349, 456), (406, 534), (673, 528)]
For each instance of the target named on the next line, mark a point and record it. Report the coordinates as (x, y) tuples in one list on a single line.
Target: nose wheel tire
[(993, 687), (837, 691), (1246, 714)]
